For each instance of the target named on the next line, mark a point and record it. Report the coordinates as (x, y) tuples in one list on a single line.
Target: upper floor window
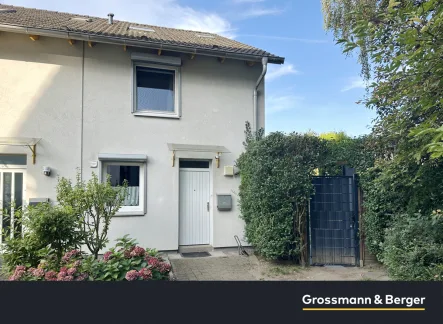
[(156, 90)]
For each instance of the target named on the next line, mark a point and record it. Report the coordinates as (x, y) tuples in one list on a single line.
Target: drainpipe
[(262, 75)]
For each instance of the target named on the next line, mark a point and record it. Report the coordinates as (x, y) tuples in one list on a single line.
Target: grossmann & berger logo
[(376, 303)]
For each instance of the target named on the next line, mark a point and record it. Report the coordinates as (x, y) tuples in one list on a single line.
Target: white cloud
[(277, 71), (355, 83), (167, 13), (259, 12), (276, 104)]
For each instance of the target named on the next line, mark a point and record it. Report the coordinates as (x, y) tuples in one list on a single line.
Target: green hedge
[(413, 247), (276, 173)]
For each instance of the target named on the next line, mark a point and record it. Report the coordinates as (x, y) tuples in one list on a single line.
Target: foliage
[(403, 41), (125, 261), (276, 184), (339, 17), (26, 250), (398, 187), (49, 231), (358, 153), (94, 203), (53, 226), (402, 45), (413, 249)]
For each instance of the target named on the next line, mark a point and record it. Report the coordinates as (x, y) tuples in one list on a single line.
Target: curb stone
[(171, 273)]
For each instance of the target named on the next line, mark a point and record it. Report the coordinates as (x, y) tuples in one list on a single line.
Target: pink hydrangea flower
[(31, 270), (107, 256), (69, 255), (127, 253), (77, 263), (153, 262), (145, 273), (71, 271), (82, 277), (39, 273), (137, 251), (51, 276), (18, 273), (61, 275), (132, 275), (164, 267), (69, 278), (20, 268)]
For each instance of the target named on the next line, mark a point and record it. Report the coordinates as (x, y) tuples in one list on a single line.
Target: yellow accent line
[(363, 309)]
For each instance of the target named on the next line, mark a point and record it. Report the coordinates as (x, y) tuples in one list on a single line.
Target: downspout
[(82, 110), (262, 75)]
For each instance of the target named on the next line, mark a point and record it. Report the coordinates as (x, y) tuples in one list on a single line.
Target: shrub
[(54, 226), (26, 250), (399, 186), (276, 184), (413, 248), (49, 231), (126, 261), (94, 203)]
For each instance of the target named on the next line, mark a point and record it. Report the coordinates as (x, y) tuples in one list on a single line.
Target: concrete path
[(219, 266), (226, 264)]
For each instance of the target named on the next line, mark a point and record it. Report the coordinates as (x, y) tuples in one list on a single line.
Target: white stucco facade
[(78, 100)]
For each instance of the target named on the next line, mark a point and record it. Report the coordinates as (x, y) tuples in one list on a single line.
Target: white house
[(163, 108)]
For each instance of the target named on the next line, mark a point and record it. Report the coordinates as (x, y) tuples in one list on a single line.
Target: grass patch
[(284, 270)]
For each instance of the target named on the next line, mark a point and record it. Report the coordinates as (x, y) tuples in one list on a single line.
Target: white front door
[(194, 207), (12, 188)]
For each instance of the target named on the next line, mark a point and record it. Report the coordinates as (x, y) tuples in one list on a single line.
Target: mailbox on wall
[(224, 202), (36, 201)]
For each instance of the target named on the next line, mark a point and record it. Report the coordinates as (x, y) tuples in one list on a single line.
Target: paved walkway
[(219, 266), (228, 265)]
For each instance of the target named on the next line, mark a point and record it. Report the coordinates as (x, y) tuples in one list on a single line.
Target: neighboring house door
[(194, 206), (12, 188)]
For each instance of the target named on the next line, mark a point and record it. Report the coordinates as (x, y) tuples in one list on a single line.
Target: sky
[(315, 90)]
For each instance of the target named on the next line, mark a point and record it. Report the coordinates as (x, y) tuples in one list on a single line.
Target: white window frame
[(11, 168), (139, 210), (177, 93)]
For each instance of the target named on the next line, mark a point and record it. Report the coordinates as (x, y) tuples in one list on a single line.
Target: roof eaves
[(118, 40)]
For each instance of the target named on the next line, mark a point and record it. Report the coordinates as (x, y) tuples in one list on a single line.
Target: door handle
[(207, 205)]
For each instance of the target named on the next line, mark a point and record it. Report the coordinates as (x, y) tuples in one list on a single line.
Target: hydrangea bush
[(125, 261)]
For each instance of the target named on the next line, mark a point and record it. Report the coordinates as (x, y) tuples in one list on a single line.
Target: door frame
[(211, 195), (12, 169)]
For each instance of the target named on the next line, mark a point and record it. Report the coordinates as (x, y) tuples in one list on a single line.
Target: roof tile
[(59, 21)]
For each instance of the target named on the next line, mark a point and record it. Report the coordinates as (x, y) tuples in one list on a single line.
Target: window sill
[(152, 114), (130, 213)]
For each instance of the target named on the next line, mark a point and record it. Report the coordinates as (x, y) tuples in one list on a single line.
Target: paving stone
[(222, 267)]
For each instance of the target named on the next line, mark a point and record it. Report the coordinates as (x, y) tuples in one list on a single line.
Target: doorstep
[(194, 248)]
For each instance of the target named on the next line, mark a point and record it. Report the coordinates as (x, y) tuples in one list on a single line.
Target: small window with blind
[(156, 90), (133, 175)]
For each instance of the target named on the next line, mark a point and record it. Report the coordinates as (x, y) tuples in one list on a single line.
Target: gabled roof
[(66, 25)]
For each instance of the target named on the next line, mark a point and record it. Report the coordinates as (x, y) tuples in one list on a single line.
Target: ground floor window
[(134, 174)]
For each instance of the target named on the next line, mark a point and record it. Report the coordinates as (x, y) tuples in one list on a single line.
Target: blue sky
[(316, 89)]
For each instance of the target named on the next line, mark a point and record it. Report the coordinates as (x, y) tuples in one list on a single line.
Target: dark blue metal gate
[(333, 222)]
